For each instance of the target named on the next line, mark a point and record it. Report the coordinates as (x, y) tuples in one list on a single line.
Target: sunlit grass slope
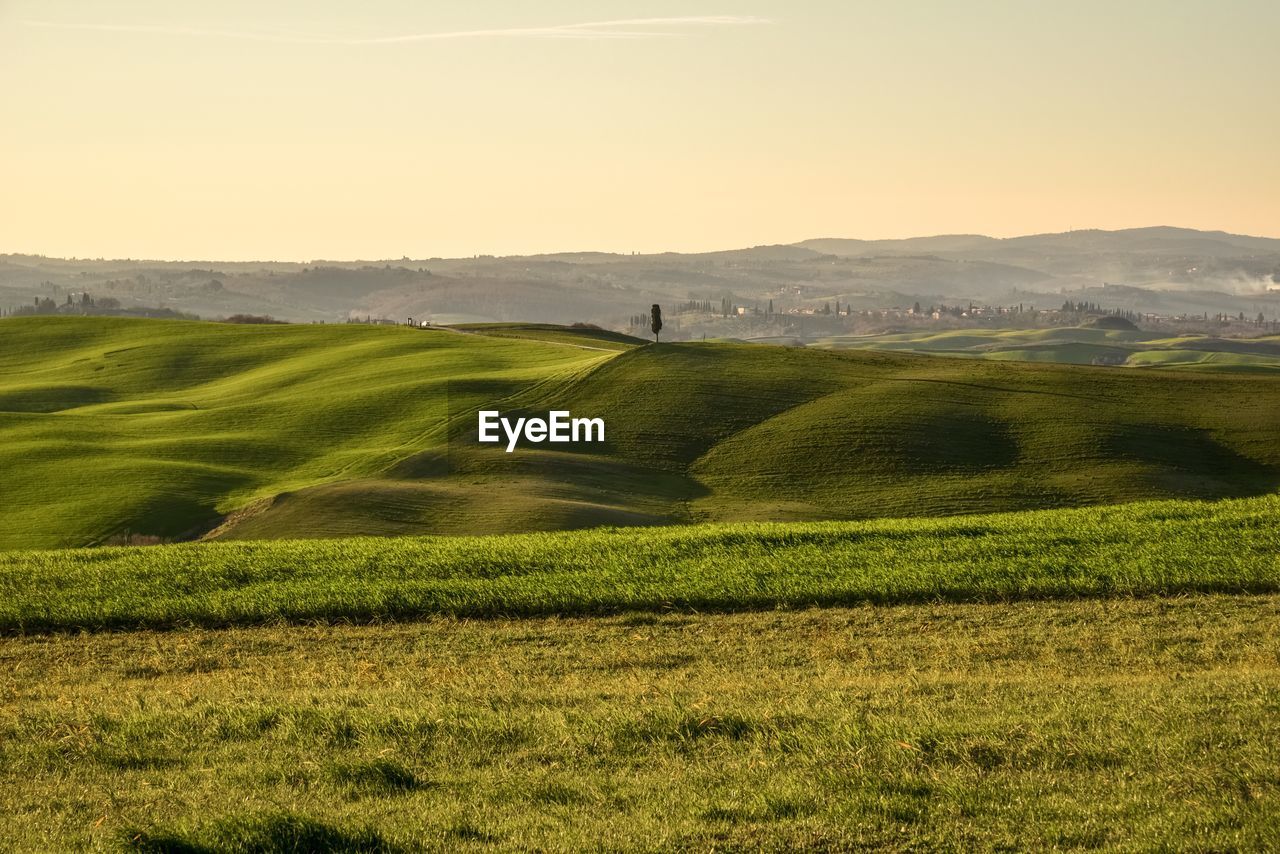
[(1135, 549), (578, 336), (115, 426), (171, 430)]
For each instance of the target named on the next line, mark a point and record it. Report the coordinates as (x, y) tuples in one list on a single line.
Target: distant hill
[(118, 430), (1162, 270), (1158, 239), (909, 245)]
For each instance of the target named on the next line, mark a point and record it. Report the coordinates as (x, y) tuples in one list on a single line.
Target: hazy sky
[(297, 130)]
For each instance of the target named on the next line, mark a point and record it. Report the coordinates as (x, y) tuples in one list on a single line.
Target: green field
[(1079, 346), (1069, 679), (1162, 548), (130, 430), (1117, 724), (1044, 651)]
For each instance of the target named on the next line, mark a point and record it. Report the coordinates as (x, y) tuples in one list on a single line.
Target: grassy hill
[(580, 335), (114, 428)]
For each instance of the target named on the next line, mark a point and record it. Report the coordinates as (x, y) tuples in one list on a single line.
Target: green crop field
[(1163, 548), (130, 430), (1078, 346)]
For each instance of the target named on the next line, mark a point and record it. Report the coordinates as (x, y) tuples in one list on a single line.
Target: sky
[(299, 130)]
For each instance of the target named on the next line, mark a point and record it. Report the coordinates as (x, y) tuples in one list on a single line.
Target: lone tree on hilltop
[(655, 320)]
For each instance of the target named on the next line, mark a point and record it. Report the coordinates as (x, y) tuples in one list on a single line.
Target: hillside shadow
[(1189, 462)]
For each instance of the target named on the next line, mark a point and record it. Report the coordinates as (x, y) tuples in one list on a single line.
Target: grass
[(1164, 548), (256, 834), (1130, 724), (117, 430)]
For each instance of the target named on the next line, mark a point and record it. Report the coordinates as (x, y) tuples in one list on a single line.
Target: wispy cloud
[(626, 28)]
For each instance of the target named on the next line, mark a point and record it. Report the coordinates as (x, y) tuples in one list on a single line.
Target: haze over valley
[(1162, 271)]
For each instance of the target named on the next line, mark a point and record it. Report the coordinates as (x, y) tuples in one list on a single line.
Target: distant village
[(82, 304), (727, 319)]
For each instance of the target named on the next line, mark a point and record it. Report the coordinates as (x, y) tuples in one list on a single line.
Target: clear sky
[(304, 129)]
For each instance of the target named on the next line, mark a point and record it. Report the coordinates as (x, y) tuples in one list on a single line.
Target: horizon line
[(623, 254), (622, 28)]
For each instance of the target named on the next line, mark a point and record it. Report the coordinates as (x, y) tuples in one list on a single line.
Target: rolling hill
[(116, 429)]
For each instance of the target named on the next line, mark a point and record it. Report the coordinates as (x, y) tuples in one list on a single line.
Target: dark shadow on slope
[(1189, 463), (52, 398)]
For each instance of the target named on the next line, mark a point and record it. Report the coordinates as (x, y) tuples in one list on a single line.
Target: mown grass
[(1141, 549), (1122, 724)]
